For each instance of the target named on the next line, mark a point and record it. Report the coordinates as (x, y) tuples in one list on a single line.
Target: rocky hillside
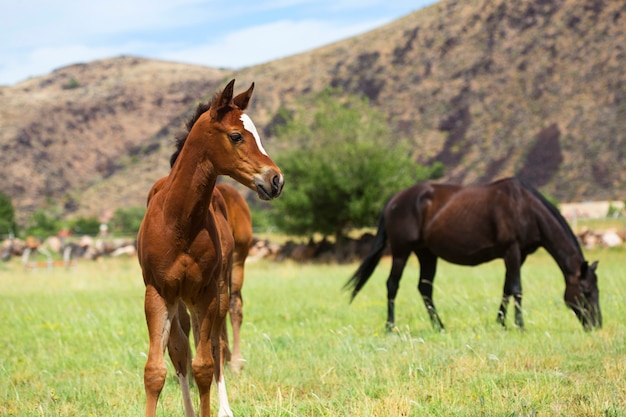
[(68, 131), (492, 88)]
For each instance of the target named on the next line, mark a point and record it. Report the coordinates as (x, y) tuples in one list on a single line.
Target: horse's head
[(234, 145), (584, 298)]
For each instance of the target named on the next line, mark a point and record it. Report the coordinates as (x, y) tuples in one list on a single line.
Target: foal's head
[(584, 298), (232, 143)]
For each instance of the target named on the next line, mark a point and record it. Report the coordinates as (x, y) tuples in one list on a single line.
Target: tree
[(7, 215), (127, 221), (86, 226), (341, 162), (43, 224)]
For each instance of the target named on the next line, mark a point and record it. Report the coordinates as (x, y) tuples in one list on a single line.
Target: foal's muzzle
[(269, 188)]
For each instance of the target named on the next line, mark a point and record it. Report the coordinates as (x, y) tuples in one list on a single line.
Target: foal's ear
[(222, 101), (243, 99)]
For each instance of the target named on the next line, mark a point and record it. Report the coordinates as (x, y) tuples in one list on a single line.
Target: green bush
[(43, 224), (7, 215), (341, 165), (127, 221), (85, 226)]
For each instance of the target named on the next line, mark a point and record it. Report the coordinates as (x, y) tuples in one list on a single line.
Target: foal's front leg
[(159, 321), (236, 311), (220, 346)]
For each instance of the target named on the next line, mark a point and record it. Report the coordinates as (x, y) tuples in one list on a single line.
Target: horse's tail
[(366, 269)]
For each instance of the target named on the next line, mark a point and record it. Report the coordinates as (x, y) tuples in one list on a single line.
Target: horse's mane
[(181, 137), (555, 213)]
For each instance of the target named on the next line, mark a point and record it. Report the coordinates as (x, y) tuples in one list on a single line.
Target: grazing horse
[(185, 246), (472, 225)]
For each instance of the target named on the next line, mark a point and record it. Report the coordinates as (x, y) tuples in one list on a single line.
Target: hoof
[(225, 412), (236, 365), (391, 327)]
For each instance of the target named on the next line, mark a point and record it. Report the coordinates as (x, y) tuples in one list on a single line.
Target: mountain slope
[(67, 131), (491, 88), (494, 88)]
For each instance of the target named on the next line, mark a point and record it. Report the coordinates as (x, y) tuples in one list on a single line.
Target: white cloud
[(39, 35), (37, 23), (264, 43), (44, 60)]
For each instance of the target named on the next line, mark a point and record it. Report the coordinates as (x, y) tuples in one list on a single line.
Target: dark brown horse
[(472, 225), (185, 246)]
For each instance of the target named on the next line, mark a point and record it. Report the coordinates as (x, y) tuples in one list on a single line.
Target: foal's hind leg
[(208, 364), (184, 319), (236, 310), (180, 354), (428, 267)]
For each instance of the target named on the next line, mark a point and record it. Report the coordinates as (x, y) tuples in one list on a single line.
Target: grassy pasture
[(73, 343)]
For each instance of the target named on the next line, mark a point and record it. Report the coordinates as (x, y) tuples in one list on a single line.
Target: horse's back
[(404, 213), (475, 224), (499, 201)]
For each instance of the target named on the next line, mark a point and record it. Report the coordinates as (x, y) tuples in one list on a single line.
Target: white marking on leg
[(250, 127), (167, 327), (183, 380), (225, 410)]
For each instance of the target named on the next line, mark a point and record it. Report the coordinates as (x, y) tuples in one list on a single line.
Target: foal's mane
[(181, 136), (555, 213)]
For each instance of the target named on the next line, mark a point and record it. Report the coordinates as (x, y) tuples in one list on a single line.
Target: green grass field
[(74, 343)]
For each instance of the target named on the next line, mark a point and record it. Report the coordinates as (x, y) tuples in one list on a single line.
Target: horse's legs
[(159, 321), (208, 365), (220, 344), (184, 318), (236, 310), (428, 268), (393, 283), (180, 354), (503, 307), (512, 286)]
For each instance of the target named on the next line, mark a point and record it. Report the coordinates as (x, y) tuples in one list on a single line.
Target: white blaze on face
[(249, 126)]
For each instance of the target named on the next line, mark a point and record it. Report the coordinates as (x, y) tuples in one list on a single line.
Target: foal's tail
[(366, 269)]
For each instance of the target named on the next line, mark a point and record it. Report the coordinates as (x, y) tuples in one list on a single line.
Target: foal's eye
[(236, 137)]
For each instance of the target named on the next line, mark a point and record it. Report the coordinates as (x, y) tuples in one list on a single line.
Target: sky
[(39, 36)]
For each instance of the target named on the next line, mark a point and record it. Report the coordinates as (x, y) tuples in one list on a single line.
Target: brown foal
[(185, 246)]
